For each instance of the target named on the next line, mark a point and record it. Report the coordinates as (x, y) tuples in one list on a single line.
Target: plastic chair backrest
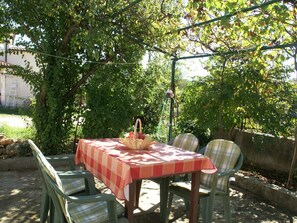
[(224, 154), (186, 141), (47, 168)]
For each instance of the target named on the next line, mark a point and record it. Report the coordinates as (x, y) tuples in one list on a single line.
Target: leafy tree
[(71, 41), (3, 29), (243, 92), (130, 93), (156, 110), (112, 101), (244, 29), (241, 24)]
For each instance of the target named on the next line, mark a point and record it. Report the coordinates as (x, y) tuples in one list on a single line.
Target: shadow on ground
[(20, 194)]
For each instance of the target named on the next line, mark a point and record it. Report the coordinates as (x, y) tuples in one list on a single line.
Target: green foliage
[(22, 111), (156, 110), (197, 109), (7, 110), (4, 30), (245, 29), (247, 91), (111, 102), (120, 94), (72, 40)]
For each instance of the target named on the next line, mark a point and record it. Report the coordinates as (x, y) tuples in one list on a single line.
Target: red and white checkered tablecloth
[(116, 166)]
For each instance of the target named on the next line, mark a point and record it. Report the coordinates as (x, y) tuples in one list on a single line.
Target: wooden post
[(293, 164)]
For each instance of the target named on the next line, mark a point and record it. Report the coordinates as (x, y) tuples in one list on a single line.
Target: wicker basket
[(135, 143)]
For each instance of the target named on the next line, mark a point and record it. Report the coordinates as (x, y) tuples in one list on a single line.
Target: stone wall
[(13, 148), (265, 151)]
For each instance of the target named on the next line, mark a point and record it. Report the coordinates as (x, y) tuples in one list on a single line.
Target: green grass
[(17, 132)]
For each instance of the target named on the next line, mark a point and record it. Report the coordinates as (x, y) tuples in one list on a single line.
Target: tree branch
[(82, 81), (86, 76), (67, 37)]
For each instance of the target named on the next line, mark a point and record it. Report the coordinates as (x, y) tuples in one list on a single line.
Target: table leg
[(164, 184), (129, 205), (194, 200), (137, 195)]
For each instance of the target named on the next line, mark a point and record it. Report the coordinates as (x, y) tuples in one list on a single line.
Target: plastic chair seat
[(92, 212), (73, 186)]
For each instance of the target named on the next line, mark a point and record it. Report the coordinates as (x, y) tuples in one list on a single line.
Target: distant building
[(14, 91)]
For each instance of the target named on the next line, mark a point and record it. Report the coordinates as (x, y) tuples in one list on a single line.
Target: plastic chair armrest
[(67, 159), (82, 199), (226, 173), (201, 150), (91, 198), (88, 176)]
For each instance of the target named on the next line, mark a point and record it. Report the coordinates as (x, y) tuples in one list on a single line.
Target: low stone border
[(23, 163), (17, 163), (271, 192)]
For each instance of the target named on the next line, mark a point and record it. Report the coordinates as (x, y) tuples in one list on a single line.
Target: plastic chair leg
[(52, 213), (203, 208), (198, 210), (209, 209), (187, 205), (227, 209), (44, 206)]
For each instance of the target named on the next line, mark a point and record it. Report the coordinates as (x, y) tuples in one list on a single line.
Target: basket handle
[(138, 121)]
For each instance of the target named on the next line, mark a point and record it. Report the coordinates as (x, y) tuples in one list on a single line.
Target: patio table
[(120, 168)]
